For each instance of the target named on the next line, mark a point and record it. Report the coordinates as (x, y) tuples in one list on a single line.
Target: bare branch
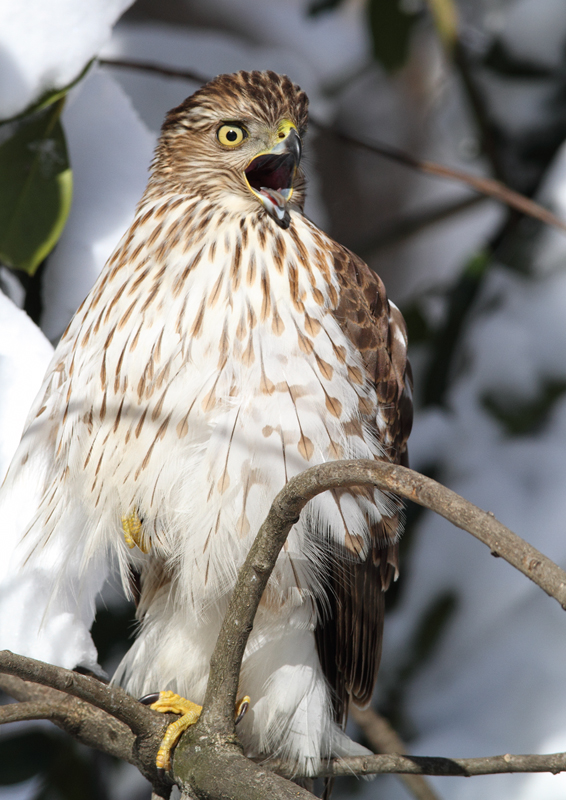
[(18, 712), (218, 714), (158, 69), (111, 699), (486, 186), (89, 725), (383, 738), (457, 767), (99, 716)]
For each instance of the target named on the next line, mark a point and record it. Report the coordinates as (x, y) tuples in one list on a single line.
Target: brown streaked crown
[(266, 96)]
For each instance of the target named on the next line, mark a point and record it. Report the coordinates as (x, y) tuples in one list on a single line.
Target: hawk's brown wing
[(350, 631)]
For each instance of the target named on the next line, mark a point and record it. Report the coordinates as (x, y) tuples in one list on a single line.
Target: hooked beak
[(270, 176)]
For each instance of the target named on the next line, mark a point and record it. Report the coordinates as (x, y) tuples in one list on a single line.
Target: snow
[(45, 44), (24, 356), (536, 34)]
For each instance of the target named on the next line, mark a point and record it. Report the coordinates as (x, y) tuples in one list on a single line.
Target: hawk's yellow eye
[(231, 135)]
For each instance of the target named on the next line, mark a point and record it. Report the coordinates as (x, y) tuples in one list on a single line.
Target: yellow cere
[(284, 128), (231, 135)]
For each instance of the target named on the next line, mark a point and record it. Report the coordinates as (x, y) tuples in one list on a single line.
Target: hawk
[(227, 345)]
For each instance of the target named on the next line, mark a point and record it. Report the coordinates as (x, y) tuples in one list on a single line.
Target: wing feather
[(350, 630)]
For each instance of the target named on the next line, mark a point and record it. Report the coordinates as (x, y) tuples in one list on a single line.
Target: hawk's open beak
[(270, 176)]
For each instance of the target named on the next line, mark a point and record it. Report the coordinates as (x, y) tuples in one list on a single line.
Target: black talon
[(243, 708), (148, 699)]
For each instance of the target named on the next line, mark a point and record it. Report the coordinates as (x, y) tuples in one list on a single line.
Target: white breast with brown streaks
[(205, 369)]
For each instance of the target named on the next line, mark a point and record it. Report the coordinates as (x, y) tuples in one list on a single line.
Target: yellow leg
[(171, 703), (133, 531)]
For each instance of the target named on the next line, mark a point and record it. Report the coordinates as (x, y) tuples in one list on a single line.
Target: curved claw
[(149, 699), (241, 708)]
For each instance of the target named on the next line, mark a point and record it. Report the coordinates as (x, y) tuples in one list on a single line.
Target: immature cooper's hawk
[(227, 345)]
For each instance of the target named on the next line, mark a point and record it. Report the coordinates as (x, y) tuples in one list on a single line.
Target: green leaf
[(25, 755), (35, 187), (391, 25)]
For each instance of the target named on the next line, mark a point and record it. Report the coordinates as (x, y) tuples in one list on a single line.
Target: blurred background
[(474, 654)]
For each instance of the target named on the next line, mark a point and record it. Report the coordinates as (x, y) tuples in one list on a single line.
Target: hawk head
[(237, 141)]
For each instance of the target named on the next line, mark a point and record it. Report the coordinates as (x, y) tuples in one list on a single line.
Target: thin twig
[(158, 69), (218, 714), (383, 738), (486, 186), (391, 764)]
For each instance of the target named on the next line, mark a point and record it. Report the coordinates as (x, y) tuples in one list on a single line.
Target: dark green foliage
[(390, 27), (35, 187), (521, 417), (418, 328)]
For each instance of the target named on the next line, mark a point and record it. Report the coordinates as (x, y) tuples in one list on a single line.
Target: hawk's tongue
[(275, 196), (275, 203)]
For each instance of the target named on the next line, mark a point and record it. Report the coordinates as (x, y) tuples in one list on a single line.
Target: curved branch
[(209, 757), (486, 186), (218, 713)]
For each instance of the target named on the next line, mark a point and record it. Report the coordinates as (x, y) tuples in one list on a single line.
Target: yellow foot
[(171, 703), (133, 532)]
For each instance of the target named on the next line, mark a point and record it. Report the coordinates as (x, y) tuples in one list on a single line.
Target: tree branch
[(99, 716), (111, 699), (456, 767), (486, 186), (392, 764), (18, 712), (218, 714)]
